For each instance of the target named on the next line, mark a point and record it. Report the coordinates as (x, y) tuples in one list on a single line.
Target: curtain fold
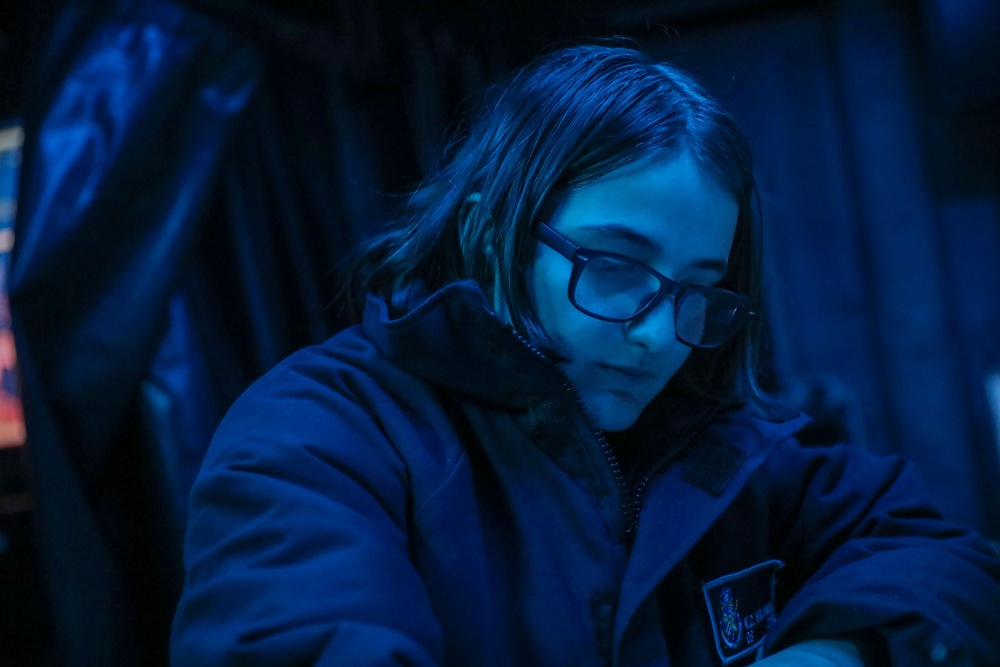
[(121, 156), (193, 174)]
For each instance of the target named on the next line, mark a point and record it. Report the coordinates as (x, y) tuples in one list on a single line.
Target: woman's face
[(662, 211)]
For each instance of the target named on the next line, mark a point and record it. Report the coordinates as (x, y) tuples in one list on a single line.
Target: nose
[(654, 329)]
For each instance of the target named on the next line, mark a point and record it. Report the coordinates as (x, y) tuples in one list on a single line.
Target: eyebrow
[(618, 231)]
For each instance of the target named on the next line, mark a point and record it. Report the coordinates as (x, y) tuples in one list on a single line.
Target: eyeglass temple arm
[(555, 240)]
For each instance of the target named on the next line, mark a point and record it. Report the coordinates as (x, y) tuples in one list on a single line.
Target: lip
[(628, 374)]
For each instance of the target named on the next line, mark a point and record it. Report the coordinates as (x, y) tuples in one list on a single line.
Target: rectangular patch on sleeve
[(741, 609)]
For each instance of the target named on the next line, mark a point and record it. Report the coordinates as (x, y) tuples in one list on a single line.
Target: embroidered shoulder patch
[(741, 609)]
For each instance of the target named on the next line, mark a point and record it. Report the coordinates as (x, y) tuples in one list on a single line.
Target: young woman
[(544, 443)]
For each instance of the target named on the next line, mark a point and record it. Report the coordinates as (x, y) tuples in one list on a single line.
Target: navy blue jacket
[(428, 490)]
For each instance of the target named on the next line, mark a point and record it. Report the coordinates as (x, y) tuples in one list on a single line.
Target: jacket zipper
[(629, 510), (640, 489)]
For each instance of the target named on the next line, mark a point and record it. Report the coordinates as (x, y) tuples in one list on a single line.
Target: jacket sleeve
[(869, 558), (296, 551)]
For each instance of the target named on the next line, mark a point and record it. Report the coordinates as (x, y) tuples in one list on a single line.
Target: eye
[(616, 273), (610, 266)]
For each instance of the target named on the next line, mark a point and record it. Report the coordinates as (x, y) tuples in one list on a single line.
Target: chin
[(611, 416), (616, 426)]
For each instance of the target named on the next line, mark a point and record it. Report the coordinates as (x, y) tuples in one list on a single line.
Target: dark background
[(192, 171)]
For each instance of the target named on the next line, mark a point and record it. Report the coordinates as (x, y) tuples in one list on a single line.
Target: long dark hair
[(564, 121)]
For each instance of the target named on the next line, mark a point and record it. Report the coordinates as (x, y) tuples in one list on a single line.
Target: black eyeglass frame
[(579, 257)]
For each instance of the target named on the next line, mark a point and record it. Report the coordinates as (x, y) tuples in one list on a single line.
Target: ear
[(465, 213), (489, 275), (469, 237)]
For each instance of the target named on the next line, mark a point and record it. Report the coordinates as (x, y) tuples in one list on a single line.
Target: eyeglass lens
[(617, 288)]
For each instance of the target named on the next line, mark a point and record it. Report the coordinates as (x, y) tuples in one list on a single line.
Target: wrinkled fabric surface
[(192, 174), (128, 127), (426, 490)]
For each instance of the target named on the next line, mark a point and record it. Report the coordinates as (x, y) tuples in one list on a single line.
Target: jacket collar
[(451, 338)]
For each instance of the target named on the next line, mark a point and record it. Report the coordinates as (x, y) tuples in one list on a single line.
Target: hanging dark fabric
[(193, 173), (134, 108)]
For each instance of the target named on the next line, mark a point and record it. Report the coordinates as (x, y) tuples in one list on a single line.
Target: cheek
[(572, 335), (547, 295)]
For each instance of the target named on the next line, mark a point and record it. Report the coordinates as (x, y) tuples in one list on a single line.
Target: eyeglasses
[(615, 288)]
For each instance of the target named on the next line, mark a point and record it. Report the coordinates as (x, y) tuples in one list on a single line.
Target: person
[(545, 443)]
